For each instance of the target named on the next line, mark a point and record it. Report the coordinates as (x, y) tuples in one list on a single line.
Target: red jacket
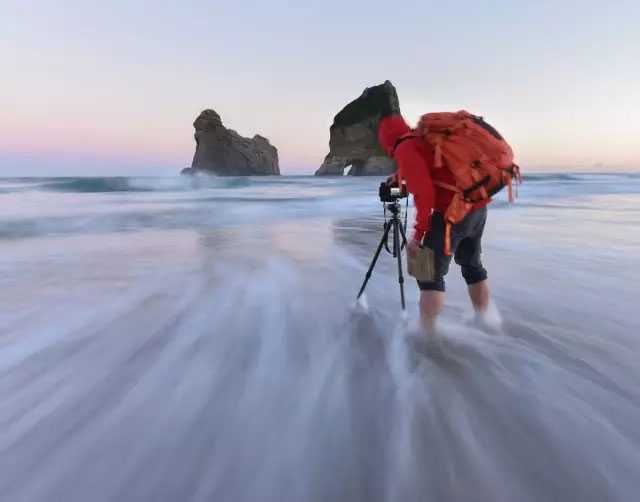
[(415, 160)]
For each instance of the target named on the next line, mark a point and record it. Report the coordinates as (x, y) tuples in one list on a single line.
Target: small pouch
[(422, 265)]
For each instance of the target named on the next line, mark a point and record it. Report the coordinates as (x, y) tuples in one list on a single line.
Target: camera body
[(392, 192)]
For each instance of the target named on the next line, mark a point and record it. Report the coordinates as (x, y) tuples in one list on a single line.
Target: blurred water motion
[(161, 340)]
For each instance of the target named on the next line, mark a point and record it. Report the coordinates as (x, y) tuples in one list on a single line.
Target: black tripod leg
[(397, 230), (404, 236), (385, 235)]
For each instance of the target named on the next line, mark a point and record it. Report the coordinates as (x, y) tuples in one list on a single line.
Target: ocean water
[(183, 339)]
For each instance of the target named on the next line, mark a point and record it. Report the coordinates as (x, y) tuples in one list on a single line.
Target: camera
[(392, 192)]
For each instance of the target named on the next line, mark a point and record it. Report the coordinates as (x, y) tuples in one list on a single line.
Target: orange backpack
[(479, 158)]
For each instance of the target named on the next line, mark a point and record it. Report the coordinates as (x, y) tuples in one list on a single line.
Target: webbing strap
[(447, 186), (402, 138), (447, 239), (437, 159), (477, 185)]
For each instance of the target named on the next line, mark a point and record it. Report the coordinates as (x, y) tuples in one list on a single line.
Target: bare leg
[(480, 296), (431, 303)]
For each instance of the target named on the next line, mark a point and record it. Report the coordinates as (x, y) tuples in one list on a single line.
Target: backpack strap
[(437, 149), (447, 238), (511, 176), (478, 184), (447, 186), (400, 139)]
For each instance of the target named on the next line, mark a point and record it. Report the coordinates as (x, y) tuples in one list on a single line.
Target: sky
[(113, 88)]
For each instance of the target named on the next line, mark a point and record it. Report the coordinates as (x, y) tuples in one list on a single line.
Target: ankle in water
[(489, 317)]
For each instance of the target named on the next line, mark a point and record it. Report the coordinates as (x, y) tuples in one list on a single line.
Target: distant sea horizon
[(526, 172)]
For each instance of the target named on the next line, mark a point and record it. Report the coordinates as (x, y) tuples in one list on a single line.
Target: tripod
[(394, 223)]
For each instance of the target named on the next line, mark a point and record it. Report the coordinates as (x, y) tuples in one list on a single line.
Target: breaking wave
[(184, 183)]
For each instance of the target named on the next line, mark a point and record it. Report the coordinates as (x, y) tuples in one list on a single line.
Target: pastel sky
[(113, 87)]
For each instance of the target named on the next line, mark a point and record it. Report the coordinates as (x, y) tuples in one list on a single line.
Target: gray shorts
[(466, 240)]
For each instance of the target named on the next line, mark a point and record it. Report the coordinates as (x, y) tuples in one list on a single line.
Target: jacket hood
[(389, 130)]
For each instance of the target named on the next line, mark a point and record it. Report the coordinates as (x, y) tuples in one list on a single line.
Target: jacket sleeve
[(415, 171)]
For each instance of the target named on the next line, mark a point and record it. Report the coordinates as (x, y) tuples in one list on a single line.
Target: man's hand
[(413, 246)]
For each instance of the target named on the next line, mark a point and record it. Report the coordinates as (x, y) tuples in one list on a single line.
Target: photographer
[(416, 159)]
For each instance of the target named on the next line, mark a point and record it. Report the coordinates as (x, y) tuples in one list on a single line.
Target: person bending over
[(431, 187)]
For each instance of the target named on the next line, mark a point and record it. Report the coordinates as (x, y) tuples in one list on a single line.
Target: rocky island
[(353, 137), (223, 152)]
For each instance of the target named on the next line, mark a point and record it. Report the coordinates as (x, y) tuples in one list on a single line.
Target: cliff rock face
[(224, 152), (353, 139)]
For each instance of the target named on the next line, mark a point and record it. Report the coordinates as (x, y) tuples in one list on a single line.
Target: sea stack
[(353, 137), (223, 152)]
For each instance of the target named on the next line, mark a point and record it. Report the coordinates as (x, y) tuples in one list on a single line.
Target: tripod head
[(393, 207)]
